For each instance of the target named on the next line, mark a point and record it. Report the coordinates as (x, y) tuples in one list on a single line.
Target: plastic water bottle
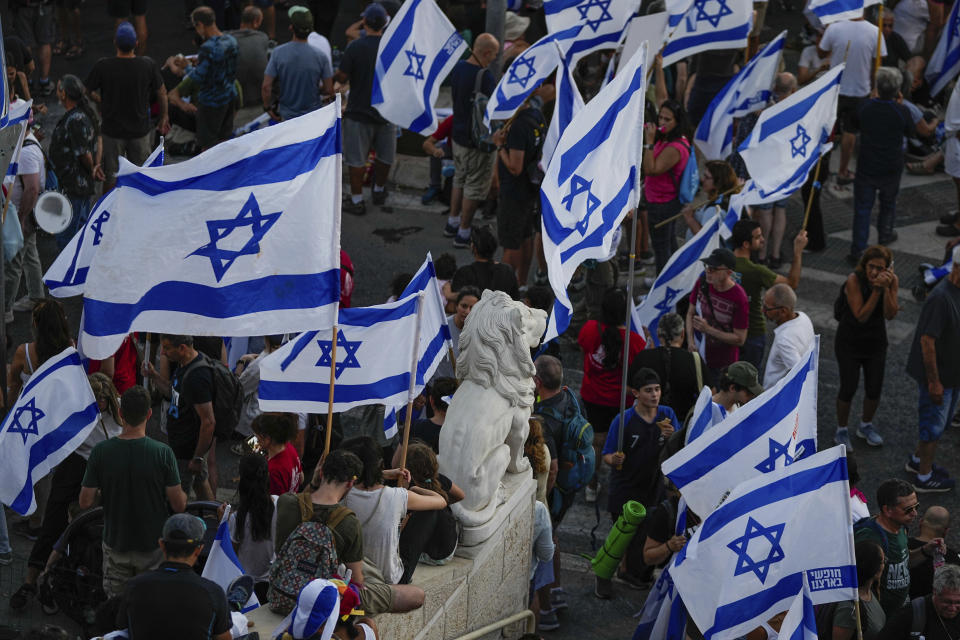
[(938, 559)]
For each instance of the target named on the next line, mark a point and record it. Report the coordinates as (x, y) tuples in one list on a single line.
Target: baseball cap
[(300, 18), (183, 527), (126, 36), (720, 258), (375, 16), (745, 375)]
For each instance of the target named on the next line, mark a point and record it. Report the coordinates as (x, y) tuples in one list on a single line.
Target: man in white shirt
[(26, 188), (792, 337), (857, 79)]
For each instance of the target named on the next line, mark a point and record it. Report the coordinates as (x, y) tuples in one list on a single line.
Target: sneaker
[(868, 433), (590, 494), (890, 239), (632, 581), (450, 230), (46, 88), (24, 529), (950, 218), (379, 197), (914, 468), (558, 598), (239, 592), (548, 621), (603, 588), (648, 258), (934, 484), (7, 557), (459, 242), (354, 208), (26, 303), (430, 195), (843, 437), (21, 597)]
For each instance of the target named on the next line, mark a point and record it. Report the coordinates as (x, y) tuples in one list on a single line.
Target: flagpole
[(876, 64), (814, 187), (697, 206), (407, 419), (147, 358), (853, 552), (333, 369)]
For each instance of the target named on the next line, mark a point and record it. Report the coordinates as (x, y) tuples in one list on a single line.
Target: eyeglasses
[(766, 309), (914, 508)]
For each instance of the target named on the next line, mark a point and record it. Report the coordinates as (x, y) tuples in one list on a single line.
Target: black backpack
[(227, 394), (480, 134)]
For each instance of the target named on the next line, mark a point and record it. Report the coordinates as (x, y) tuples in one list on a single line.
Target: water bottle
[(938, 559)]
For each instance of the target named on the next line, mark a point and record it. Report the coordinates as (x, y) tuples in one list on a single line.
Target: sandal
[(917, 168), (847, 179), (74, 52), (59, 48)]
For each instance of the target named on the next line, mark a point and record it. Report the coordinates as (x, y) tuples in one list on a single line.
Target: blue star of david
[(222, 259), (774, 555), (603, 5), (798, 143), (527, 63), (776, 451), (350, 350), (414, 58), (714, 18), (97, 226), (577, 186), (31, 427), (666, 305)]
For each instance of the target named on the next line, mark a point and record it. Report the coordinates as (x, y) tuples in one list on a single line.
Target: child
[(274, 432), (253, 521)]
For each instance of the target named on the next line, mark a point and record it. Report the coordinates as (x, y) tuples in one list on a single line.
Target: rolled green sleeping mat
[(607, 560)]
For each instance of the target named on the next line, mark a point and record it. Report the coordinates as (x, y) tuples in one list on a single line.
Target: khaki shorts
[(376, 596), (120, 566), (473, 171), (189, 480), (136, 150)]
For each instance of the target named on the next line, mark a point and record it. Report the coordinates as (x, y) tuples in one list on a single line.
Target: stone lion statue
[(486, 423)]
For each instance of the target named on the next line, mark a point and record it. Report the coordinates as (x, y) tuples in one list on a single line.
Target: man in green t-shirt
[(747, 239), (137, 479), (898, 505)]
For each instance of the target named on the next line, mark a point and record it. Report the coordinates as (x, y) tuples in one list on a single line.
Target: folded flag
[(51, 418), (709, 24), (604, 23), (706, 414), (933, 275), (15, 132), (800, 622), (243, 239), (223, 566), (945, 60), (417, 52), (828, 11)]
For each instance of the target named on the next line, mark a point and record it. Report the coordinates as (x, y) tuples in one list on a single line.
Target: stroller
[(73, 578)]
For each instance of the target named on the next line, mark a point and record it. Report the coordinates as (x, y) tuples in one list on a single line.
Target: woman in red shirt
[(602, 346), (275, 432)]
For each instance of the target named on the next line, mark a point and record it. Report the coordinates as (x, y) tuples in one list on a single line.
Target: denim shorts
[(934, 418)]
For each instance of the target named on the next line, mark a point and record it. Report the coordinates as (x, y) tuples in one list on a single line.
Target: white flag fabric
[(748, 91), (651, 29), (774, 429), (417, 52), (828, 11), (800, 622), (51, 418), (604, 23), (68, 273), (709, 24), (4, 85), (592, 182), (706, 415), (676, 10), (790, 136), (748, 559), (677, 279), (568, 103), (243, 239), (945, 60), (18, 119), (223, 566)]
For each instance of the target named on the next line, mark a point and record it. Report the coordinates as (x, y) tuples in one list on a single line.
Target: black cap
[(721, 258)]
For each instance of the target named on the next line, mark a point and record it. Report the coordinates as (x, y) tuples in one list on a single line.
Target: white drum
[(53, 212)]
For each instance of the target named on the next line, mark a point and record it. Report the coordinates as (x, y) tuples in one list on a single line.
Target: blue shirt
[(638, 478), (300, 71), (462, 80), (215, 71)]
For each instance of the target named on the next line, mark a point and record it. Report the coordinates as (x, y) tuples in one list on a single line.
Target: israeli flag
[(677, 279), (709, 24), (748, 559), (223, 566), (568, 103), (527, 72), (771, 431), (51, 418), (243, 239), (828, 11), (800, 622), (18, 116), (935, 274), (604, 23), (676, 10), (748, 91), (945, 61), (68, 273), (592, 182), (706, 414), (262, 121), (417, 52), (790, 136), (664, 616)]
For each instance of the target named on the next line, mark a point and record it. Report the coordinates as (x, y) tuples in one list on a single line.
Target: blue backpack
[(689, 179), (575, 443)]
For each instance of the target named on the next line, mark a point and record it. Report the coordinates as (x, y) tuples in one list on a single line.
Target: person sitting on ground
[(253, 521), (275, 433)]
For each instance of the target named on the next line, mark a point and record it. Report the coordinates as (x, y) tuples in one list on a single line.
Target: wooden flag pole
[(813, 189), (147, 358), (626, 334), (733, 189), (876, 64), (413, 383), (333, 379)]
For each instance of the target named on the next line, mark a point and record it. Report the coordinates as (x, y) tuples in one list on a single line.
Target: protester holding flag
[(717, 182), (718, 315), (51, 334)]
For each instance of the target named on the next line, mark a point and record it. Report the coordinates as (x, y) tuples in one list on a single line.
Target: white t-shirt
[(380, 512), (911, 21), (321, 44), (790, 341), (255, 556), (105, 429), (810, 59), (862, 37), (29, 162)]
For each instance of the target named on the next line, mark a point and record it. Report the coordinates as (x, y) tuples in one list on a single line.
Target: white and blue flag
[(4, 85), (664, 616), (51, 418), (262, 121), (223, 566), (709, 24), (527, 72), (933, 275), (676, 10), (68, 273), (748, 559), (417, 52), (604, 23), (748, 91), (790, 136), (828, 11), (800, 623), (706, 414), (243, 239), (18, 119), (945, 60), (771, 431), (676, 280), (592, 182), (567, 104)]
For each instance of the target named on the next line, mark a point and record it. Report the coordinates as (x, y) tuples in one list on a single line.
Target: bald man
[(935, 523), (791, 338), (473, 166)]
